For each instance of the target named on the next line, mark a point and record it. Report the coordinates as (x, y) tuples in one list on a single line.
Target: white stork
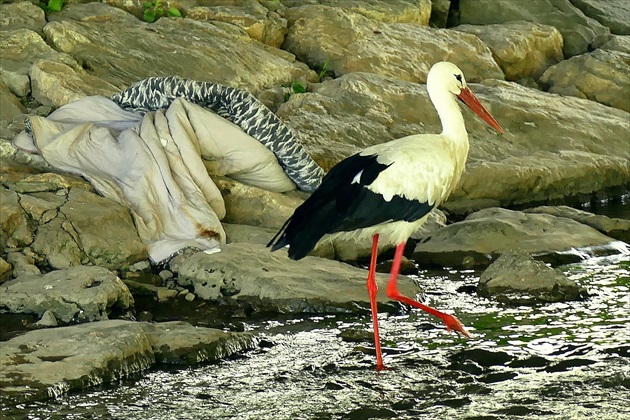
[(389, 189)]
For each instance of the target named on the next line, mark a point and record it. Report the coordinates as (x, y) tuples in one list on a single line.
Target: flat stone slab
[(486, 234), (266, 281), (47, 363), (77, 294)]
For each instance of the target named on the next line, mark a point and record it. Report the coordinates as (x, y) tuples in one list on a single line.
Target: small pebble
[(165, 275), (190, 297)]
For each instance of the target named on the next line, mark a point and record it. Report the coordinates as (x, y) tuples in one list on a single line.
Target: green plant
[(153, 10), (323, 71), (51, 5)]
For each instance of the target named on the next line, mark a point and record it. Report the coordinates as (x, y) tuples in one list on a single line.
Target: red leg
[(372, 289), (451, 322)]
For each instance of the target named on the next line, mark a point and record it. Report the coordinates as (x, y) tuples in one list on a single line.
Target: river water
[(553, 361)]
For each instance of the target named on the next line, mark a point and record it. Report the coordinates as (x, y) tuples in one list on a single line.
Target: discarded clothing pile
[(153, 146)]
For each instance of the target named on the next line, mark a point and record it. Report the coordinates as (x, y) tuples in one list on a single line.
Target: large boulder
[(348, 42), (553, 146), (260, 280), (610, 226), (416, 12), (580, 33), (618, 43), (600, 76), (260, 23), (615, 14), (78, 294), (47, 363), (522, 49), (484, 235), (516, 278), (191, 49)]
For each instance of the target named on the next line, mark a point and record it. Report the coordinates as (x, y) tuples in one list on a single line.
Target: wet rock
[(531, 162), (517, 278), (580, 33), (158, 293), (184, 344), (489, 232), (272, 282), (612, 13), (600, 76), (47, 363), (522, 49), (350, 42), (614, 227), (78, 294)]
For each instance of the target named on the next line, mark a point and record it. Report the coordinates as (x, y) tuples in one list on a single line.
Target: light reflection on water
[(565, 360)]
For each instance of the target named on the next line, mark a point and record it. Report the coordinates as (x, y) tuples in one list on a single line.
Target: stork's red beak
[(473, 103)]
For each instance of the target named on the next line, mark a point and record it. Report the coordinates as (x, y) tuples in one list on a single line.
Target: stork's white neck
[(450, 115)]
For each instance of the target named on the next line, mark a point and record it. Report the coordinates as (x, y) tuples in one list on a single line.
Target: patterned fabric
[(237, 106)]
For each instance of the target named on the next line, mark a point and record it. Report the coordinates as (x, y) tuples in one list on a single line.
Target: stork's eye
[(458, 77)]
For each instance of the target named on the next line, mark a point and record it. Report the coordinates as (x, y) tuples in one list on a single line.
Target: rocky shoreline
[(80, 304)]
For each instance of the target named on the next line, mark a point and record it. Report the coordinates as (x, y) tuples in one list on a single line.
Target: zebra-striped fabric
[(235, 105)]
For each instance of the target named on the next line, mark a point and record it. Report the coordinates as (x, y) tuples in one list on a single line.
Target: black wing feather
[(339, 205)]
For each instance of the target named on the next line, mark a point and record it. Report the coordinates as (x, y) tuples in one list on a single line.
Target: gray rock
[(272, 282), (614, 227), (618, 43), (22, 264), (439, 13), (350, 42), (255, 19), (15, 221), (54, 83), (522, 49), (487, 233), (10, 105), (21, 48), (5, 270), (580, 33), (104, 229), (47, 363), (78, 294), (254, 206), (600, 76), (47, 320), (615, 14), (213, 51), (532, 161), (516, 278), (183, 344), (22, 15), (416, 12)]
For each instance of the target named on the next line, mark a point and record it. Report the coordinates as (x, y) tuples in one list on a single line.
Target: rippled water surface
[(560, 361)]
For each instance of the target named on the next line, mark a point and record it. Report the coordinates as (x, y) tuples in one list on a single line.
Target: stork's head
[(445, 78)]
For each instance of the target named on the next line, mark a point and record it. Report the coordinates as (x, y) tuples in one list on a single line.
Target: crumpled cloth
[(156, 164)]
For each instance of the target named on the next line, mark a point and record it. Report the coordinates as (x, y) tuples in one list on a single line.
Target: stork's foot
[(454, 324)]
